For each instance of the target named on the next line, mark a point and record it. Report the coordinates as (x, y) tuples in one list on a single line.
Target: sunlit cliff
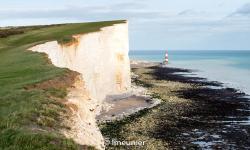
[(102, 60)]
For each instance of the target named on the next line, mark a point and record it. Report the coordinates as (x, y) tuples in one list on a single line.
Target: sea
[(230, 67)]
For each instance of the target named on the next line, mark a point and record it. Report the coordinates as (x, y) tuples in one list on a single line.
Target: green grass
[(19, 30), (30, 119), (18, 139)]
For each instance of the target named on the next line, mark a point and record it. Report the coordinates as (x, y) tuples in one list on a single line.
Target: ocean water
[(232, 68)]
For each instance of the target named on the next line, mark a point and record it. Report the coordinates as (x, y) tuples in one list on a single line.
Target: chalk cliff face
[(102, 60)]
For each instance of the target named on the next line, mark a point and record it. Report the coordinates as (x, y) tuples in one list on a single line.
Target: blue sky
[(154, 24)]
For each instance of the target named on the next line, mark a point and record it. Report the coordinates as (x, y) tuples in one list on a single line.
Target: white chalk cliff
[(101, 58)]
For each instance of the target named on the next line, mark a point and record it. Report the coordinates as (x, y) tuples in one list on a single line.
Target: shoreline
[(191, 115), (232, 82)]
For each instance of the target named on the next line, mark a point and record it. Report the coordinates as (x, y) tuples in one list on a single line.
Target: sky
[(153, 24)]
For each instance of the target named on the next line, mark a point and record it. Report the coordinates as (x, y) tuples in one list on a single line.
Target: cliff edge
[(101, 58)]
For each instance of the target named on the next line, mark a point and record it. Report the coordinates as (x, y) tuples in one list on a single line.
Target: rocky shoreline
[(194, 113)]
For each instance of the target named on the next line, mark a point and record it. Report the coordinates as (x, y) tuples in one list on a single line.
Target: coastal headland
[(68, 86)]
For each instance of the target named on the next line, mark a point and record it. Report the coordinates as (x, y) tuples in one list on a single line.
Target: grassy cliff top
[(31, 117), (18, 36)]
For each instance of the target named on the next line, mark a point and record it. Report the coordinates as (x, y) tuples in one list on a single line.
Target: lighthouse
[(166, 58)]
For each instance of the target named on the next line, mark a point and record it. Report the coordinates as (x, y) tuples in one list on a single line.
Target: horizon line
[(190, 49)]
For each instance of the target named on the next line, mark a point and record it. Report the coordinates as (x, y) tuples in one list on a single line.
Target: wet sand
[(124, 107), (218, 117), (194, 114)]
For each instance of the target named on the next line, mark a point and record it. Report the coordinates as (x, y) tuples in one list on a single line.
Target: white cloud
[(165, 19), (244, 10)]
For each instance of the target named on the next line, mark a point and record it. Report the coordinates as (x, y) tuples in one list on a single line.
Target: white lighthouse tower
[(166, 58)]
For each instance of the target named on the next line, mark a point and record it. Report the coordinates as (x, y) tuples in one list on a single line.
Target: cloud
[(163, 21), (68, 12), (128, 9), (186, 12), (139, 14), (134, 11), (242, 11), (129, 6)]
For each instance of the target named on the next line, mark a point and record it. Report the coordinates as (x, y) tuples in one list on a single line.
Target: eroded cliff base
[(83, 128)]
